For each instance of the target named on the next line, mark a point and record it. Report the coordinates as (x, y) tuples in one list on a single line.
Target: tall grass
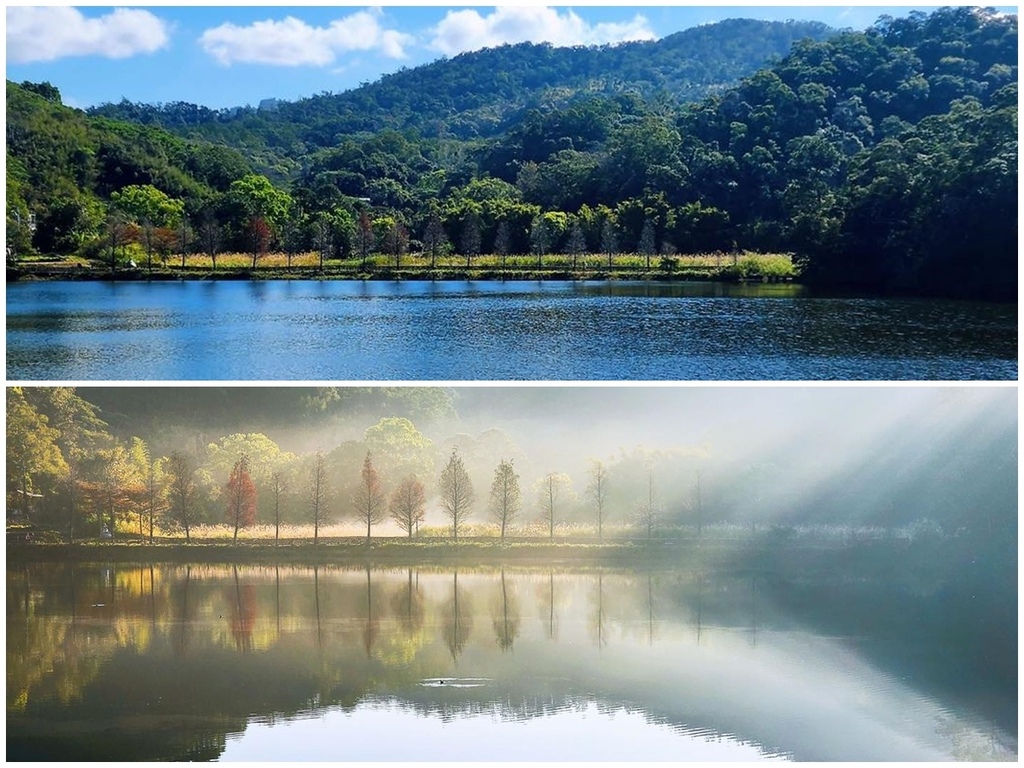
[(745, 265)]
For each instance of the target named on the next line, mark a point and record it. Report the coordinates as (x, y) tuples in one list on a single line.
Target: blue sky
[(233, 55)]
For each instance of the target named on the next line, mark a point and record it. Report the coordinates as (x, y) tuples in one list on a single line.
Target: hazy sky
[(235, 55)]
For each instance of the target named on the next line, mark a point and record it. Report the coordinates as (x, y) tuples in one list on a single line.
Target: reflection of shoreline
[(233, 641), (682, 552)]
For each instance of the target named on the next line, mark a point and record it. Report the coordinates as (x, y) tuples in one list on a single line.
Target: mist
[(887, 456)]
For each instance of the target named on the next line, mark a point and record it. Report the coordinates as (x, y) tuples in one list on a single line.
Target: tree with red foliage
[(241, 496), (259, 237)]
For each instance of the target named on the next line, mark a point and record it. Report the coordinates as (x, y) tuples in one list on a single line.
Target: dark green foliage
[(884, 160), (67, 164), (475, 94)]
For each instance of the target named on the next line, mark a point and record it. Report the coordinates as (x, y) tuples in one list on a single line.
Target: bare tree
[(550, 489), (506, 617), (370, 500), (148, 232), (364, 237), (154, 492), (471, 236), (503, 242), (434, 238), (609, 242), (456, 620), (396, 242), (324, 233), (318, 494), (181, 471), (184, 239), (408, 503), (647, 512), (240, 493), (117, 234), (456, 492), (597, 490), (647, 245), (505, 495), (576, 244), (540, 237), (278, 487), (209, 237), (699, 505)]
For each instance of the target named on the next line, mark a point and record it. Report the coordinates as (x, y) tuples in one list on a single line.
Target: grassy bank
[(277, 266)]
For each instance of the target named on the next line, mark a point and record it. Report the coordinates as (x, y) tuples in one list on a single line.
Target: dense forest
[(381, 461), (884, 160)]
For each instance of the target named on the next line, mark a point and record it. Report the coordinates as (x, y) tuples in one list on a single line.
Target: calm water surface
[(264, 663), (450, 331)]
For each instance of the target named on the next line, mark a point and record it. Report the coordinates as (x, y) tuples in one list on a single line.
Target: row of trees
[(143, 224), (66, 470)]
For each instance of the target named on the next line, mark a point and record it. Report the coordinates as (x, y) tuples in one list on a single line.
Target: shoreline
[(67, 274), (706, 554), (64, 274)]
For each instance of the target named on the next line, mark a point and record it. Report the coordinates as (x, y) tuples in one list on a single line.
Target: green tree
[(399, 447), (115, 488), (32, 450), (144, 202), (258, 198)]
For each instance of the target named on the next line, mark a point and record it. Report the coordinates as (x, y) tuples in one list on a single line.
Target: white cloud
[(49, 33), (292, 42), (467, 30)]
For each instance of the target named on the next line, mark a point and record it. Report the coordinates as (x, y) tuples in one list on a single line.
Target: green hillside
[(880, 159)]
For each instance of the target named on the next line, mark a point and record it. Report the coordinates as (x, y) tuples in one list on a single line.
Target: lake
[(512, 331), (220, 662)]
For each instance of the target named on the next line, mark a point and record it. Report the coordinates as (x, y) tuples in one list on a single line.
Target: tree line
[(879, 159), (68, 472)]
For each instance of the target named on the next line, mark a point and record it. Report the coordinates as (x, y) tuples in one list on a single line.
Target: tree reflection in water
[(106, 647)]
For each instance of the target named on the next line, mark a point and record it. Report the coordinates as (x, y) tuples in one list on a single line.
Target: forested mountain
[(884, 160), (479, 94)]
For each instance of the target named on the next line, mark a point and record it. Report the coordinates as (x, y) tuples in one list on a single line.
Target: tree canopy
[(879, 158)]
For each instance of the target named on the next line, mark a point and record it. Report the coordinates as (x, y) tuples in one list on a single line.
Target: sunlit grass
[(520, 533), (746, 264), (763, 265)]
